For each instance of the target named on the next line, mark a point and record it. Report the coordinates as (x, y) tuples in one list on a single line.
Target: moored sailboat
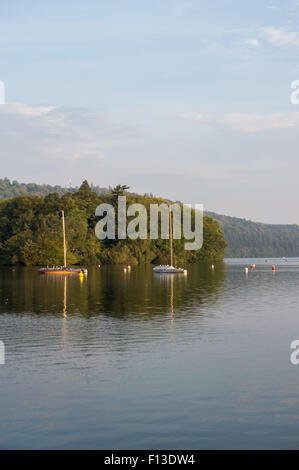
[(166, 268), (62, 269)]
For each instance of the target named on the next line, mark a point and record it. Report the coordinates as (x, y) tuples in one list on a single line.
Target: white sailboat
[(166, 268)]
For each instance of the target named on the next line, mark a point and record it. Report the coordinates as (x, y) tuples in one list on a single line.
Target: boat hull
[(61, 271), (168, 270)]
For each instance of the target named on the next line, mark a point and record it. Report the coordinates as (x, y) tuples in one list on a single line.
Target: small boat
[(62, 269), (166, 268)]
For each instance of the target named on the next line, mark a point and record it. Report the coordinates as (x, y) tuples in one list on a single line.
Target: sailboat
[(62, 269), (166, 268)]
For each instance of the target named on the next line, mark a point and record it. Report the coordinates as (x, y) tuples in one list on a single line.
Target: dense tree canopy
[(120, 189), (244, 237), (30, 233)]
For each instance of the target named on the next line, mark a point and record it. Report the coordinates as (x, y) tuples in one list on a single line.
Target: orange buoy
[(251, 266), (273, 268)]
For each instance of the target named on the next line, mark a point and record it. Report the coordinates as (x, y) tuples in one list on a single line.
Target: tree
[(84, 189), (30, 233), (119, 190)]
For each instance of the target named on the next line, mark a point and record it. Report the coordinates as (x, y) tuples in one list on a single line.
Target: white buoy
[(212, 266), (246, 270)]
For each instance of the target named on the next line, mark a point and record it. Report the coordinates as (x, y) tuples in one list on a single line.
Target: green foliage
[(30, 233), (120, 190), (10, 189), (252, 239), (244, 238)]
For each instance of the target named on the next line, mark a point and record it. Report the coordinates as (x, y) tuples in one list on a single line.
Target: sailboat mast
[(63, 231), (170, 237)]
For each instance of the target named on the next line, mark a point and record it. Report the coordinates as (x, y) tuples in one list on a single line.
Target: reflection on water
[(64, 296), (132, 359), (108, 290)]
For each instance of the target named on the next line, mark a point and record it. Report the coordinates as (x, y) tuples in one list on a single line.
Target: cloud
[(273, 7), (53, 143), (56, 132), (279, 37), (24, 110), (249, 123), (252, 42)]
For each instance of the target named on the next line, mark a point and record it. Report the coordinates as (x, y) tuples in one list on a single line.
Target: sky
[(185, 99)]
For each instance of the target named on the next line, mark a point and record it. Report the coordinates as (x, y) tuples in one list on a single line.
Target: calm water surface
[(128, 360)]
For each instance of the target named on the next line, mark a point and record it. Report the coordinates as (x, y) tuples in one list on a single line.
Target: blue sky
[(186, 99)]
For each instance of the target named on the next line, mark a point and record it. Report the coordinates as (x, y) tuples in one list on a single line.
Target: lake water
[(137, 360)]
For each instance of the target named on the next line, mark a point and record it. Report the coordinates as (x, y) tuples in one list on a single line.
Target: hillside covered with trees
[(245, 238), (30, 232), (10, 189)]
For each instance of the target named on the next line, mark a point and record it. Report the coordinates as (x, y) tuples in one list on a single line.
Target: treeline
[(244, 238), (253, 239), (30, 233), (10, 189)]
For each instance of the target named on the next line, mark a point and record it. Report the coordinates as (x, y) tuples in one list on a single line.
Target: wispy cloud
[(252, 42), (249, 123), (273, 7), (280, 37), (56, 132), (53, 143)]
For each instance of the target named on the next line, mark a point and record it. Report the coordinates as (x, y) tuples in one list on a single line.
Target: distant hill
[(253, 239), (10, 189)]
